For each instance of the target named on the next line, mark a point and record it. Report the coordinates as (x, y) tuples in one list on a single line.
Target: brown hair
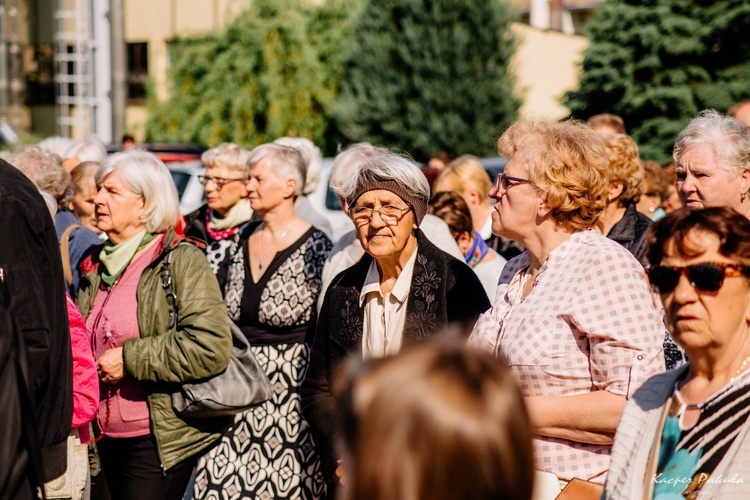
[(624, 166), (655, 180), (84, 173), (731, 228), (465, 172), (566, 161), (436, 422), (452, 208), (607, 120)]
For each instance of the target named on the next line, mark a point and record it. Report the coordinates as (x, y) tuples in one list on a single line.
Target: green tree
[(272, 72), (429, 75), (657, 63)]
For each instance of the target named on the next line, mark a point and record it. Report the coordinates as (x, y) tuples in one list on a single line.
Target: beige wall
[(546, 64)]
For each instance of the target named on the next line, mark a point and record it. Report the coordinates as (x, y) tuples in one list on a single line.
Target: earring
[(742, 197)]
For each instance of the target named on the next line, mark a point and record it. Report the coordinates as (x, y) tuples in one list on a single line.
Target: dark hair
[(452, 208), (731, 228), (438, 421)]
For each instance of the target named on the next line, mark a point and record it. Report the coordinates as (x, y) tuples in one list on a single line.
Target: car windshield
[(181, 180)]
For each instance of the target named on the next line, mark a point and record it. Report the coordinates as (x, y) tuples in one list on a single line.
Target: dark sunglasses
[(705, 277)]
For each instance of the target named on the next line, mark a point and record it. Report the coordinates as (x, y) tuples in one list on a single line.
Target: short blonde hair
[(624, 165), (463, 173), (227, 155), (567, 162)]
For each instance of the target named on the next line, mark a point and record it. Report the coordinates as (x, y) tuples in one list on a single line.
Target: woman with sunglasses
[(684, 434), (227, 209), (402, 291), (573, 315)]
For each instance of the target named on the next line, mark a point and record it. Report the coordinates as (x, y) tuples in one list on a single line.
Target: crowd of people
[(577, 326)]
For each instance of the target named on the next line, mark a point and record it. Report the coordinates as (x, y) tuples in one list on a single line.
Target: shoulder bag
[(241, 386)]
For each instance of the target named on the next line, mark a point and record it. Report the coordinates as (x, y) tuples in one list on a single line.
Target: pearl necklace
[(275, 241)]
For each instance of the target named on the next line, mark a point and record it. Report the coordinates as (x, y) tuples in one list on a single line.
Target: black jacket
[(30, 258), (444, 290), (630, 232)]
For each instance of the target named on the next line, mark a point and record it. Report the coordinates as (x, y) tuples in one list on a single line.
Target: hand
[(340, 473), (110, 367)]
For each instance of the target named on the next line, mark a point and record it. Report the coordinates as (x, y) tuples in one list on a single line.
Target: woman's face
[(706, 320), (118, 209), (83, 204), (515, 208), (702, 183), (379, 238), (222, 199), (265, 190)]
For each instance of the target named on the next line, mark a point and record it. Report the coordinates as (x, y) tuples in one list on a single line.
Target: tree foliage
[(657, 63), (272, 72), (429, 75)]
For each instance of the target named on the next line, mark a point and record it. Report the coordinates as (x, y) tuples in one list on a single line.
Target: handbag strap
[(166, 284), (65, 253)]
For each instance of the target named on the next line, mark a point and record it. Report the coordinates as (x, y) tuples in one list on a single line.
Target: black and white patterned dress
[(268, 453)]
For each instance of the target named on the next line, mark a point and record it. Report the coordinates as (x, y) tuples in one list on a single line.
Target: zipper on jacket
[(152, 424)]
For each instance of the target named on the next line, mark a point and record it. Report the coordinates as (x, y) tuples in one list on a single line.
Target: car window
[(181, 180)]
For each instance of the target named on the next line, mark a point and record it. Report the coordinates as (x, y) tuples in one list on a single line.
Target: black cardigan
[(443, 290)]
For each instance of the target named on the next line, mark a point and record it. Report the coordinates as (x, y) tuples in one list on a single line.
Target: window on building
[(137, 72)]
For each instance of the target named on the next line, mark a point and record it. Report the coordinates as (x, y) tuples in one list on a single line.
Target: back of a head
[(462, 174), (348, 160), (606, 124), (45, 171), (452, 208), (437, 422), (311, 157), (624, 165), (90, 149)]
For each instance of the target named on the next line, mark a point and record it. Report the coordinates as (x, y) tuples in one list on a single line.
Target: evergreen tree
[(429, 75), (270, 73), (657, 63)]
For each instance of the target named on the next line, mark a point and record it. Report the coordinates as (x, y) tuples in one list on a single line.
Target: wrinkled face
[(265, 190), (702, 182), (118, 209), (515, 208), (84, 207), (700, 320), (380, 238), (221, 200)]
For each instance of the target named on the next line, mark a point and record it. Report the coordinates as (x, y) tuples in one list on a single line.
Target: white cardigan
[(642, 422)]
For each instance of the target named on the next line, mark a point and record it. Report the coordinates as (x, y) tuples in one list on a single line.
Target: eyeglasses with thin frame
[(390, 214), (505, 182), (707, 277), (219, 182)]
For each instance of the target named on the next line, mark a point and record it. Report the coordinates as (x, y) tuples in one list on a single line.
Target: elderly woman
[(84, 186), (655, 191), (401, 291), (573, 316), (684, 434), (148, 451), (227, 210), (620, 220), (712, 164), (272, 285)]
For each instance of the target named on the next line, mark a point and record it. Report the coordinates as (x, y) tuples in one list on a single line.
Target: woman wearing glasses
[(573, 315), (227, 210), (403, 290), (684, 434)]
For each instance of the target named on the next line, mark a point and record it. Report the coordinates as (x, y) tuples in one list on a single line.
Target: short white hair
[(50, 201), (90, 149), (349, 159), (146, 176), (286, 162), (310, 156), (729, 137), (56, 144)]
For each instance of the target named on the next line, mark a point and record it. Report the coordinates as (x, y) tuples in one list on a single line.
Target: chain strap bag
[(241, 386)]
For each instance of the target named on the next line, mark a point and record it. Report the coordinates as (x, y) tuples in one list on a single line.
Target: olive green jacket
[(162, 359)]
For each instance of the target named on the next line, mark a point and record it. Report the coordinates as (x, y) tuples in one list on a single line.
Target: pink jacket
[(85, 379)]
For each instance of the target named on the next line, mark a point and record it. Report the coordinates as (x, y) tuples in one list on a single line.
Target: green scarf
[(117, 257), (240, 213)]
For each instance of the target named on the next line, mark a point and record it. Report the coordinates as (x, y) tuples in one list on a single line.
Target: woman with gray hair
[(271, 287), (146, 449), (712, 163), (402, 291)]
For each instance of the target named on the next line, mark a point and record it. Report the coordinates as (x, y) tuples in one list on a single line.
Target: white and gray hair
[(45, 170), (90, 149), (729, 138), (56, 144), (349, 159), (146, 176), (227, 155), (50, 201), (310, 155), (287, 163)]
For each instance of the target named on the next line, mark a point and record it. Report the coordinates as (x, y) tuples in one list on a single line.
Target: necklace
[(730, 384), (275, 242)]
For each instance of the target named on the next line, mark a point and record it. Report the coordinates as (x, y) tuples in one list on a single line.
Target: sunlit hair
[(462, 174), (607, 120), (227, 155), (146, 176), (346, 161), (83, 174), (676, 231), (56, 144), (310, 156), (625, 166), (452, 208), (90, 149), (286, 162), (567, 162), (655, 180), (50, 201), (45, 170), (436, 422), (728, 137)]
